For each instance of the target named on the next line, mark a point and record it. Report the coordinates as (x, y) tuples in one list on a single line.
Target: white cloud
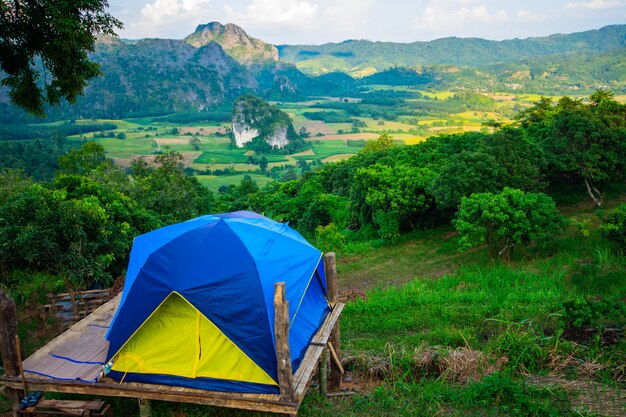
[(168, 11), (595, 4), (348, 18), (450, 13), (293, 13), (524, 15)]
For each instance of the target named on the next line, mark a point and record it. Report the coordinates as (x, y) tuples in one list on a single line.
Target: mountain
[(235, 41), (361, 57), (161, 76)]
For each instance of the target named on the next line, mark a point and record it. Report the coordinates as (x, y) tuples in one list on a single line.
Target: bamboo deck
[(49, 370)]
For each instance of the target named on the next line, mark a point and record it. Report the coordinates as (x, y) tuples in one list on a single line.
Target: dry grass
[(463, 365)]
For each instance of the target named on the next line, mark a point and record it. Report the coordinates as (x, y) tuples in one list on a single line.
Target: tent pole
[(8, 348), (281, 336), (330, 269)]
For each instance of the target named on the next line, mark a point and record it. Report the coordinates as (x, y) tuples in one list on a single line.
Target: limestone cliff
[(257, 123)]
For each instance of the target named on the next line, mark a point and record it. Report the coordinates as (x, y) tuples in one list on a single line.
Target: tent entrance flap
[(178, 340)]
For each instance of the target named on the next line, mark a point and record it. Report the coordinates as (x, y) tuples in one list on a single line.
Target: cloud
[(595, 4), (524, 15), (348, 17), (169, 11), (445, 14), (294, 13), (469, 17)]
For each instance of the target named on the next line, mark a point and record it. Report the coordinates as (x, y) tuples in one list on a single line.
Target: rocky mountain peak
[(235, 41)]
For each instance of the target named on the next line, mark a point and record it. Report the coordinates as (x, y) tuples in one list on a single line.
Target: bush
[(506, 220), (613, 227), (329, 238)]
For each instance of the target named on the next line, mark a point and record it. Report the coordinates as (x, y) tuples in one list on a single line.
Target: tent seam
[(305, 291)]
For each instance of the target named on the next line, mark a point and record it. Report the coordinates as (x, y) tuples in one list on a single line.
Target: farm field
[(327, 141)]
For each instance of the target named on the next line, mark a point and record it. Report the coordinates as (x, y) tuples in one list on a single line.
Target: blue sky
[(320, 21)]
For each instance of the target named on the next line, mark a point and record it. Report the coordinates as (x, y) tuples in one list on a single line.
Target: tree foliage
[(51, 37), (506, 220)]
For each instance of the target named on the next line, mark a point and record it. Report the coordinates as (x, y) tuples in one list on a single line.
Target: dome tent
[(197, 308)]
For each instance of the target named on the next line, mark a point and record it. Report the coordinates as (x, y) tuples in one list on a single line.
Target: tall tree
[(44, 47)]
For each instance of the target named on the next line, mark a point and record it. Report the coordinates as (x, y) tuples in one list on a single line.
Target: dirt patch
[(172, 141), (608, 336), (316, 126)]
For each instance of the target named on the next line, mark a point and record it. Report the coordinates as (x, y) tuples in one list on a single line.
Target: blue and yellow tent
[(197, 308)]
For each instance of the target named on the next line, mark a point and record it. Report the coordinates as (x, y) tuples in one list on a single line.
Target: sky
[(321, 21)]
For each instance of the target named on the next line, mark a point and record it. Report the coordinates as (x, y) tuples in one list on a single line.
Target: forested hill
[(361, 57), (161, 75)]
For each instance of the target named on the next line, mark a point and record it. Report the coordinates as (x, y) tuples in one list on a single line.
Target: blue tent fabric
[(226, 266)]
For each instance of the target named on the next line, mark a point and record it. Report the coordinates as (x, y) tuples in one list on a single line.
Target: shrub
[(613, 227), (506, 220)]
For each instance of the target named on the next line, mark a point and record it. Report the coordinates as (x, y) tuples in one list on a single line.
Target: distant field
[(346, 136), (127, 148), (213, 182), (324, 149), (146, 136), (338, 157)]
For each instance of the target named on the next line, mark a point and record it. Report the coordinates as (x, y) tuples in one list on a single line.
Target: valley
[(217, 163)]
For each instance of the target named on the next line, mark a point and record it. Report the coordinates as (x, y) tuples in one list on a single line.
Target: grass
[(325, 148), (127, 148), (422, 298), (213, 182)]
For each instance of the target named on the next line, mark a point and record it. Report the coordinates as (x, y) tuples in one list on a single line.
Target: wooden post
[(330, 269), (8, 349), (281, 336), (145, 407), (323, 374)]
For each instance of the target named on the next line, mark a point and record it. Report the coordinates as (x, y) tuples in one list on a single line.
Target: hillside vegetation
[(353, 56)]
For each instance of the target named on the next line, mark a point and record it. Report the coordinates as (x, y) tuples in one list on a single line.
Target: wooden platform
[(72, 363)]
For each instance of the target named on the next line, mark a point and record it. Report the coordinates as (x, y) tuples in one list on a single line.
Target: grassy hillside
[(428, 331)]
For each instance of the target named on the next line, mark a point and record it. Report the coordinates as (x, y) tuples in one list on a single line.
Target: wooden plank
[(330, 270), (83, 341), (67, 404), (314, 351), (281, 336), (147, 391)]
